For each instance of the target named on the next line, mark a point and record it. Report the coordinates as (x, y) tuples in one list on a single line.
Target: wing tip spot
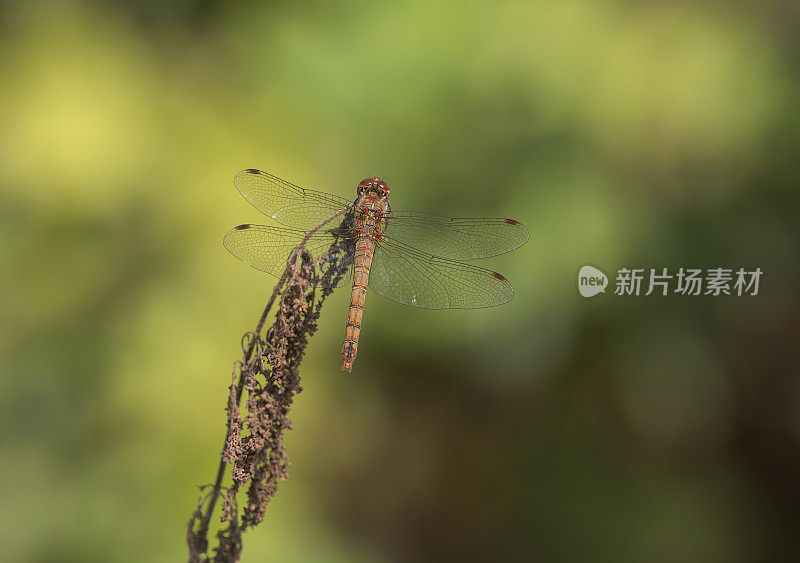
[(499, 276), (253, 171), (512, 222), (241, 227)]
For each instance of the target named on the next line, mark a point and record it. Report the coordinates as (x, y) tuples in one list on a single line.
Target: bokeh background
[(555, 428)]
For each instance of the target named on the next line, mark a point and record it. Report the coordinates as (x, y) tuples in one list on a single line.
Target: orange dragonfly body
[(413, 258)]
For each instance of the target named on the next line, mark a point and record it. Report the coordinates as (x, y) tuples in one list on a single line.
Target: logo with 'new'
[(591, 281)]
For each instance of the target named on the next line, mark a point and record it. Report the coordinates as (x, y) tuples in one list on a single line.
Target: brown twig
[(269, 371)]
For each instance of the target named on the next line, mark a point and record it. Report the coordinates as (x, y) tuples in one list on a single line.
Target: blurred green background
[(555, 428)]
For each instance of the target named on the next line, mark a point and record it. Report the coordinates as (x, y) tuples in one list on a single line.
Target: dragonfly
[(413, 258)]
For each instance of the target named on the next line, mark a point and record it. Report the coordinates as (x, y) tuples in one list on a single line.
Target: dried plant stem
[(269, 371), (248, 356)]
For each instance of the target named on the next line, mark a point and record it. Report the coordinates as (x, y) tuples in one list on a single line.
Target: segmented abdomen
[(365, 248)]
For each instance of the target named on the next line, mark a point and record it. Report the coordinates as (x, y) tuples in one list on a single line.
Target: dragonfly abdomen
[(365, 249)]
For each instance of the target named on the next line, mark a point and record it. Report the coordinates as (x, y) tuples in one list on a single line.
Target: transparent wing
[(285, 202), (268, 248), (418, 279), (456, 238)]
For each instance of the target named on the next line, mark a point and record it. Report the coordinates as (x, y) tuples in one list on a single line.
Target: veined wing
[(268, 249), (399, 272), (456, 238), (285, 202), (409, 276)]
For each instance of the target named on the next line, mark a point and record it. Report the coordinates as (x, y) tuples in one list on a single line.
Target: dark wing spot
[(512, 222), (499, 276), (242, 227), (253, 171)]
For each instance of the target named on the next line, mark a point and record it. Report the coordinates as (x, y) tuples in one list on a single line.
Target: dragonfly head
[(375, 185)]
